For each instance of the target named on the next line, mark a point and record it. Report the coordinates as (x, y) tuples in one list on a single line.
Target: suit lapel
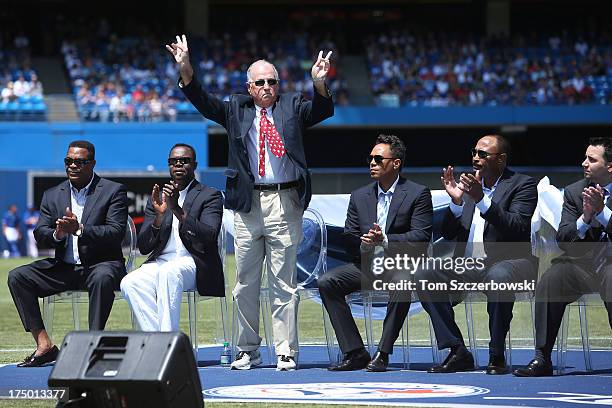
[(247, 119), (371, 202), (92, 197), (65, 199), (279, 124), (396, 201), (193, 192), (504, 183)]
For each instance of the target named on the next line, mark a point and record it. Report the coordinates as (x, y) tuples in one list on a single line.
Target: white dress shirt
[(600, 219), (174, 247), (474, 247), (278, 169), (77, 203)]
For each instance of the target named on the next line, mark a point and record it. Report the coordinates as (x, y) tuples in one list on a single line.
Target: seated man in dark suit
[(179, 233), (390, 212), (84, 219), (585, 267), (490, 218)]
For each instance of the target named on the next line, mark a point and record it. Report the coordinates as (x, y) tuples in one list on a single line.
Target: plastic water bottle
[(226, 355)]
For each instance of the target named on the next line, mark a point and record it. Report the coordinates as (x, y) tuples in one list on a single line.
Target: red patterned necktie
[(268, 132)]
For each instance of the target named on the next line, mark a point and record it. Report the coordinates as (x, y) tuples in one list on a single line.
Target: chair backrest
[(312, 252), (128, 245)]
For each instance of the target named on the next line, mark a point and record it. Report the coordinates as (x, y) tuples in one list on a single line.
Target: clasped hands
[(67, 225), (373, 237), (470, 184), (592, 202)]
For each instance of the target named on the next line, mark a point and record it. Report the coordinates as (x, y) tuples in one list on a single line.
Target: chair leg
[(584, 333), (367, 315), (533, 329), (47, 313), (562, 342), (509, 348), (224, 318), (74, 298), (469, 319), (193, 321), (406, 343)]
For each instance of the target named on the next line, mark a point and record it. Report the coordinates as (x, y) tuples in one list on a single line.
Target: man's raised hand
[(320, 69)]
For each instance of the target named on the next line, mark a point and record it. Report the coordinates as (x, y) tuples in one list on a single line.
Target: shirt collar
[(268, 110), (391, 189), (83, 190), (494, 185), (186, 189)]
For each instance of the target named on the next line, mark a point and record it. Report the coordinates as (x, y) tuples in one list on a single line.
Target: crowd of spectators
[(439, 69), (20, 89), (133, 78)]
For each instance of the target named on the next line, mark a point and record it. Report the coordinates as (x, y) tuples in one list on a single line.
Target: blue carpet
[(312, 383)]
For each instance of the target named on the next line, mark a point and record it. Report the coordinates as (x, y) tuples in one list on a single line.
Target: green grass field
[(15, 344)]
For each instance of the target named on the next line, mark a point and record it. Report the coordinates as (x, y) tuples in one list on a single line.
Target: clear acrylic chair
[(76, 297), (311, 264), (192, 299)]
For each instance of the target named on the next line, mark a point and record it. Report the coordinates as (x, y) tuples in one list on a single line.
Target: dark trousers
[(439, 305), (335, 284), (561, 285), (47, 277)]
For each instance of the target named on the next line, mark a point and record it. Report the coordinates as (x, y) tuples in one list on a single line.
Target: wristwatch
[(79, 231)]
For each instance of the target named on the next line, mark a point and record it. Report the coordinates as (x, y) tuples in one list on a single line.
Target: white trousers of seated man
[(154, 292)]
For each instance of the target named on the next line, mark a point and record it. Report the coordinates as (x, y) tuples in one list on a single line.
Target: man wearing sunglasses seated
[(180, 230), (490, 218), (84, 220), (268, 187), (391, 216)]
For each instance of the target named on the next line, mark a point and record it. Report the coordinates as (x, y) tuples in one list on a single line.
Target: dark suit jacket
[(203, 207), (409, 220), (292, 115), (104, 221), (508, 219), (567, 235)]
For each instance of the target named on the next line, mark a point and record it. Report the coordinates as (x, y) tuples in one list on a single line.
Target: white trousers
[(154, 291), (272, 230)]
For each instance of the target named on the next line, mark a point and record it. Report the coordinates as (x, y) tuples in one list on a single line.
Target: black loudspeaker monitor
[(127, 369)]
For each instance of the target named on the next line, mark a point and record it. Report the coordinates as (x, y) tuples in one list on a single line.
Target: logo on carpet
[(344, 391)]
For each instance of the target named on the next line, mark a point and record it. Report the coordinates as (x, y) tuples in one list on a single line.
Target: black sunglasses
[(261, 82), (79, 162), (378, 159), (482, 154), (173, 161)]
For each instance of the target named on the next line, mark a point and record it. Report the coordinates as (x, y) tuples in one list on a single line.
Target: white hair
[(250, 78)]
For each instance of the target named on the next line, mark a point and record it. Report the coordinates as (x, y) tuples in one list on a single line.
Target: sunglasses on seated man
[(173, 161), (378, 159), (79, 162), (261, 82), (482, 154)]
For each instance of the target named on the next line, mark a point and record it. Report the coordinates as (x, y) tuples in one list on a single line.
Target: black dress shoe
[(455, 362), (352, 362), (37, 361), (379, 363), (497, 366), (536, 368)]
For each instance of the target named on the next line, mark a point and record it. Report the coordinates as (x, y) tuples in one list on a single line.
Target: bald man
[(268, 187), (490, 218)]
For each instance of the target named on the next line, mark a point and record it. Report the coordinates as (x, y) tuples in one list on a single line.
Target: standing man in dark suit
[(84, 219), (179, 233), (490, 218), (393, 214), (585, 267), (268, 187)]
